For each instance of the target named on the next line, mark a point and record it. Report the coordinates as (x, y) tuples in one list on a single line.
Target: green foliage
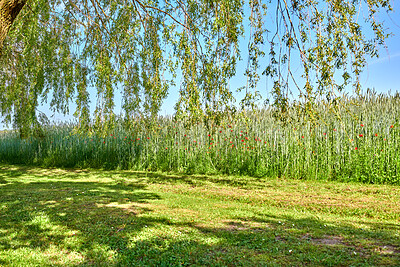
[(61, 49), (360, 148)]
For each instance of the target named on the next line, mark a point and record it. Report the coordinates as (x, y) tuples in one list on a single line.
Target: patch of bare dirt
[(326, 240), (245, 226), (280, 238), (388, 250)]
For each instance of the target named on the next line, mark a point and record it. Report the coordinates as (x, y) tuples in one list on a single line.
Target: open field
[(79, 217), (358, 143)]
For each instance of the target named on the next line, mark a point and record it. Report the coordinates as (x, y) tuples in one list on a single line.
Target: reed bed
[(358, 142)]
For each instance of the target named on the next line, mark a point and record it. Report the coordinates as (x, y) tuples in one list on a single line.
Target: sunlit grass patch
[(108, 218)]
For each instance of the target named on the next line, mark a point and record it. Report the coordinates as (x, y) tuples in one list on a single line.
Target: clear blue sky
[(382, 74)]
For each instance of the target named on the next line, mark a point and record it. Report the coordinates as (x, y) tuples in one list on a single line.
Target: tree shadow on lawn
[(76, 216), (310, 241), (197, 180), (153, 177), (8, 172), (101, 222)]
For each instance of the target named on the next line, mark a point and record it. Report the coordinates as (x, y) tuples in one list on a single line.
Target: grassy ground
[(77, 217)]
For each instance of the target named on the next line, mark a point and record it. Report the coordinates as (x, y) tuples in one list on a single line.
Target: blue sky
[(382, 74)]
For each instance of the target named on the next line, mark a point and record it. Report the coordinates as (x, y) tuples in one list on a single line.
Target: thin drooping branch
[(9, 10)]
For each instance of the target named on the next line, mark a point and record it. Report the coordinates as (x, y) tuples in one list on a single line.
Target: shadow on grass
[(101, 222), (77, 216), (154, 177)]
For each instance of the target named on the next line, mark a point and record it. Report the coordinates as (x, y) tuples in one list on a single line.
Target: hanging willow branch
[(55, 51)]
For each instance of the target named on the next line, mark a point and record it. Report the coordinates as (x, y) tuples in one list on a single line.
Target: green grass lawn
[(90, 217)]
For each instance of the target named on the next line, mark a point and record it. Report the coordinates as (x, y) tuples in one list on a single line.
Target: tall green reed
[(360, 144)]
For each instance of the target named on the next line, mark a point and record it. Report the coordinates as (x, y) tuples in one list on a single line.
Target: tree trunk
[(9, 10)]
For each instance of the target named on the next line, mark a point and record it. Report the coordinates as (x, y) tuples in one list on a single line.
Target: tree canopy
[(59, 49)]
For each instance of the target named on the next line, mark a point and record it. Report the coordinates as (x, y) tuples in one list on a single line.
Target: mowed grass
[(105, 218)]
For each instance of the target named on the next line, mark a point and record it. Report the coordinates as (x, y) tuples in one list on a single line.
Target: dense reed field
[(359, 142)]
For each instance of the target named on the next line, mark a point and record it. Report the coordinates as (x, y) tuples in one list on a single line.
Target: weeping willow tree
[(55, 51)]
